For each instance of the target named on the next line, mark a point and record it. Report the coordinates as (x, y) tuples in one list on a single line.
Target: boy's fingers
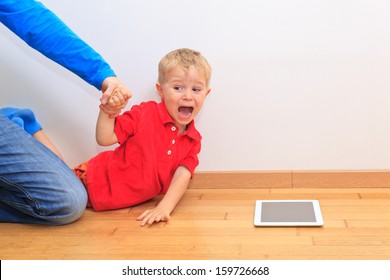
[(114, 101), (142, 216), (118, 97), (148, 217), (121, 98)]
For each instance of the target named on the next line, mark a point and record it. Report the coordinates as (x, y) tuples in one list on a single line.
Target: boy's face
[(183, 93)]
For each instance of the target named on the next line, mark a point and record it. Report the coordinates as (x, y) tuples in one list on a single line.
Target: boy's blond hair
[(184, 58)]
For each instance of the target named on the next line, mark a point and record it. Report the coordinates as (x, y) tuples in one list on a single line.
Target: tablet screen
[(288, 213)]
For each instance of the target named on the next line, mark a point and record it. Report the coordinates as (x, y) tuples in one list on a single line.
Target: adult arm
[(41, 29), (44, 31)]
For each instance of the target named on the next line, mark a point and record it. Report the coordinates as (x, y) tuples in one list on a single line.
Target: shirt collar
[(165, 118)]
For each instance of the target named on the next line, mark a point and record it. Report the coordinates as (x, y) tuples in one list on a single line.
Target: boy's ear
[(208, 91), (160, 91)]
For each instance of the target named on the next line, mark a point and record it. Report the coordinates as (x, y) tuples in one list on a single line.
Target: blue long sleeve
[(44, 31)]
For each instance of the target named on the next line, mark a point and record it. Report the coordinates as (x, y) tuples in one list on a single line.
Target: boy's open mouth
[(185, 111)]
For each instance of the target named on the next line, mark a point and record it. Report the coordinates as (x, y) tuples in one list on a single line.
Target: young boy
[(158, 142)]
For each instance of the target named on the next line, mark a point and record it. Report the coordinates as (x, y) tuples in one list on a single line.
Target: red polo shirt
[(143, 165)]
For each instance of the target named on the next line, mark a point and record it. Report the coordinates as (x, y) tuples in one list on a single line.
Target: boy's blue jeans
[(35, 185)]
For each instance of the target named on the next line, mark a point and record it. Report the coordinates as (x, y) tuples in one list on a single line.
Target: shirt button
[(173, 141), (173, 128), (169, 152)]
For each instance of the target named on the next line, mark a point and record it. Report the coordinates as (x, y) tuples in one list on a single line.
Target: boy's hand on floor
[(155, 215)]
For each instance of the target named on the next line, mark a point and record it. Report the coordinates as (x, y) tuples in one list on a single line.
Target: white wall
[(297, 84)]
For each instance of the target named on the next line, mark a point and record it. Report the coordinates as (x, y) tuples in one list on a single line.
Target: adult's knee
[(70, 206)]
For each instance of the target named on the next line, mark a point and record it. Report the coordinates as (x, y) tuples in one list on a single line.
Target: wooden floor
[(216, 224)]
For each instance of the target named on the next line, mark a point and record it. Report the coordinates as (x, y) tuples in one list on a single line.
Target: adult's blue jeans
[(36, 186)]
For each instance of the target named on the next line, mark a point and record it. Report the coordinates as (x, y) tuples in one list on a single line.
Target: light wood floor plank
[(216, 224)]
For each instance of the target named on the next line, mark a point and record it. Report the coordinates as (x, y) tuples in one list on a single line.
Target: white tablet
[(288, 213)]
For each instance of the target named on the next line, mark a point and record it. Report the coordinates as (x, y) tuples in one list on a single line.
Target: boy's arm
[(162, 212), (105, 134)]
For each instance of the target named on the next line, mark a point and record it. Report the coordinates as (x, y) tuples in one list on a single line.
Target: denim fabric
[(35, 185)]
